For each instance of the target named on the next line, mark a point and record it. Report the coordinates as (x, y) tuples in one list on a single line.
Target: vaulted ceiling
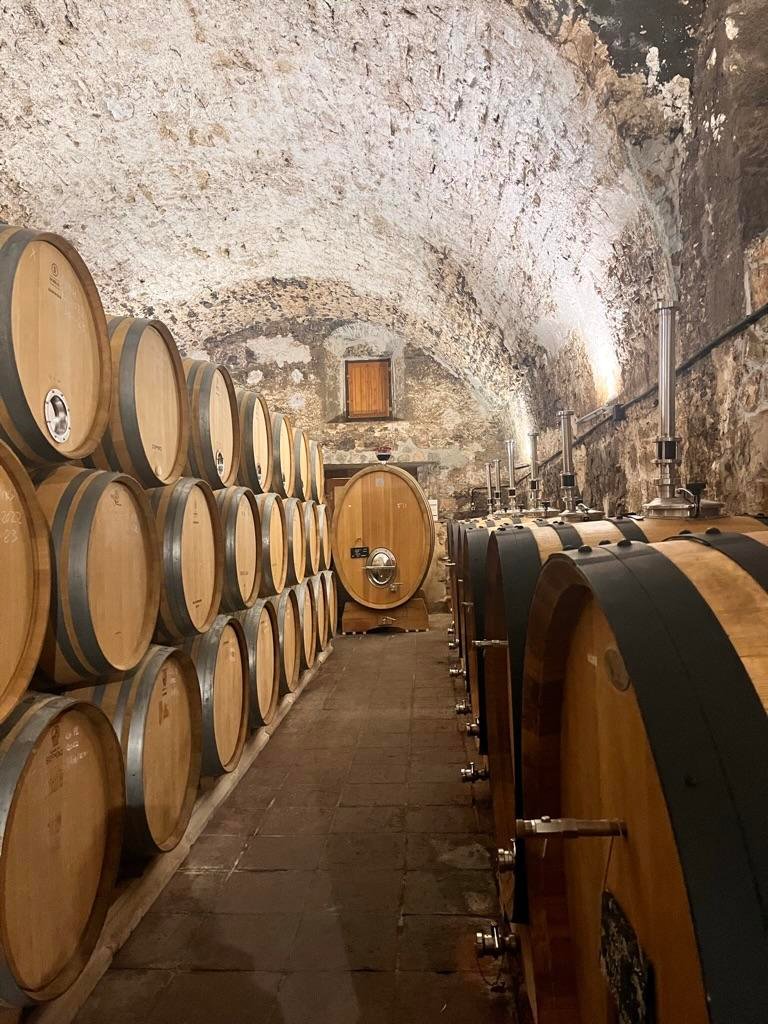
[(480, 169)]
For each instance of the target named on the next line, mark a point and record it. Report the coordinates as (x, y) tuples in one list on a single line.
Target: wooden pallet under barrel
[(411, 617)]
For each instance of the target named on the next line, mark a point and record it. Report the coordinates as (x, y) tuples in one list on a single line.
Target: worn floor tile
[(161, 941), (261, 892), (351, 941), (450, 892), (364, 851), (243, 942), (204, 997), (466, 851), (214, 851), (438, 943), (124, 997), (368, 819), (449, 999), (296, 821), (355, 889), (335, 997), (276, 853)]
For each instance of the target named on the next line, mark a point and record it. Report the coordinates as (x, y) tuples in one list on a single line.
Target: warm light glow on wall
[(606, 371)]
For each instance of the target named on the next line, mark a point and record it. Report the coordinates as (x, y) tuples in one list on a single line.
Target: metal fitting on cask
[(473, 728), (494, 944), (473, 774), (568, 828), (506, 859), (463, 708)]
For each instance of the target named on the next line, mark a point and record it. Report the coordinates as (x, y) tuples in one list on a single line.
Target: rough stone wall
[(297, 361)]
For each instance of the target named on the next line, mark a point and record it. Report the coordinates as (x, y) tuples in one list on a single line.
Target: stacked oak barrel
[(617, 678), (164, 580)]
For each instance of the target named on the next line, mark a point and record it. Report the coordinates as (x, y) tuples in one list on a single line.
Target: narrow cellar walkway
[(344, 879)]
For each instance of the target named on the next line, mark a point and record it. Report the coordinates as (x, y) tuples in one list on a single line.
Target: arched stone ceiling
[(440, 164)]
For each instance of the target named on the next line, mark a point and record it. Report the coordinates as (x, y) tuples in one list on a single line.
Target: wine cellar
[(384, 512)]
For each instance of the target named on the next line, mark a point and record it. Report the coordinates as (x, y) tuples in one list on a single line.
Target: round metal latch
[(220, 464), (381, 567), (56, 411)]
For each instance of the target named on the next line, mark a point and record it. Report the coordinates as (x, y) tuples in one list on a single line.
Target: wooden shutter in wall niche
[(369, 389)]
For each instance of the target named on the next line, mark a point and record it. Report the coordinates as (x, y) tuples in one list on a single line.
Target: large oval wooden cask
[(55, 364), (148, 430), (305, 602), (155, 711), (213, 453), (331, 600), (294, 532), (255, 469), (192, 558), (302, 471), (263, 639), (514, 561), (274, 544), (644, 704), (324, 536), (317, 472), (25, 580), (242, 547), (311, 537), (61, 817), (107, 576), (289, 632), (318, 585), (382, 511), (221, 659), (283, 467)]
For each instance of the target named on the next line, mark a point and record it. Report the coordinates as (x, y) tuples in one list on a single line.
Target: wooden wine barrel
[(302, 483), (262, 637), (192, 558), (213, 454), (255, 469), (311, 538), (294, 532), (382, 511), (318, 585), (331, 601), (107, 576), (148, 430), (61, 817), (289, 633), (274, 544), (324, 537), (644, 703), (305, 600), (155, 712), (55, 365), (472, 558), (241, 527), (317, 472), (515, 557), (221, 659), (25, 580), (283, 468)]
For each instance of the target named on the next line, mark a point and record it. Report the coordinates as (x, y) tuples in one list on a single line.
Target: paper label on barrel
[(627, 969), (359, 552)]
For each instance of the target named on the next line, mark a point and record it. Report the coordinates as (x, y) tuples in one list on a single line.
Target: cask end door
[(383, 537)]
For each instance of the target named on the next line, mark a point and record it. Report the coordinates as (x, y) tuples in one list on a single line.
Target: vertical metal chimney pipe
[(567, 477), (497, 492), (666, 371), (512, 488), (489, 485), (533, 483)]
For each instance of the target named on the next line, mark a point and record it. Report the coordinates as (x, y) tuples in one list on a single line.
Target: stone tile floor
[(343, 880)]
